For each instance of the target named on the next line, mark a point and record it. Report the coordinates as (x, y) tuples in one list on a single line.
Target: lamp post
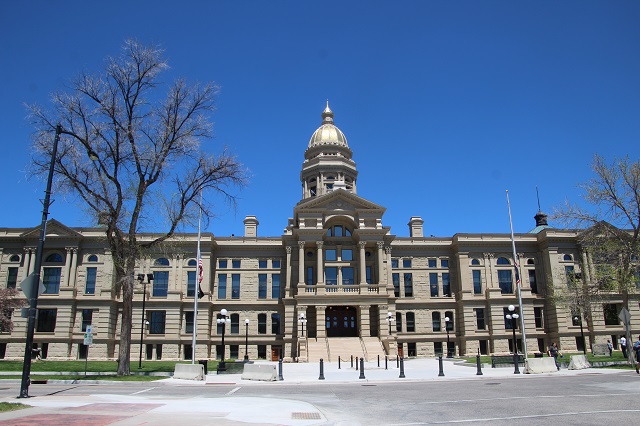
[(302, 320), (446, 326), (246, 340), (223, 320), (584, 343), (513, 317), (390, 320), (144, 318)]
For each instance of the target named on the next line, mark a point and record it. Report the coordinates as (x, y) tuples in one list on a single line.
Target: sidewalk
[(136, 409)]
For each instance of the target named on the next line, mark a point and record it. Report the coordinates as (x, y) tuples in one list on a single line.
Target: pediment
[(337, 201), (55, 229)]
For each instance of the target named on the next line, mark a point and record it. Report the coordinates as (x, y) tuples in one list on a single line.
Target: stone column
[(26, 263), (32, 260), (73, 272), (287, 281), (67, 266), (363, 263), (380, 259), (301, 263), (488, 269), (321, 328), (320, 264), (387, 250), (365, 322)]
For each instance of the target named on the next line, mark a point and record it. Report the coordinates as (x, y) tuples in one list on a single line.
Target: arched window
[(503, 261), (531, 262), (92, 258), (161, 261), (14, 258), (54, 258), (568, 258), (192, 262), (475, 262)]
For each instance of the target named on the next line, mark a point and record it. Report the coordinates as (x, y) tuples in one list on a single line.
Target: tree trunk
[(124, 352)]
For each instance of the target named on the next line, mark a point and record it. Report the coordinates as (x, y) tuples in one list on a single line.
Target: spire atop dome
[(327, 115)]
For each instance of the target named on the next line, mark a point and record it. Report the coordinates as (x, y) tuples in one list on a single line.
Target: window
[(475, 262), (235, 286), (503, 261), (396, 284), (411, 322), (368, 274), (347, 254), (191, 283), (505, 281), (567, 258), (262, 323), (444, 263), (275, 323), (311, 277), (46, 322), (262, 351), (87, 317), (162, 261), (435, 321), (532, 281), (347, 276), (188, 352), (233, 351), (160, 283), (411, 349), (192, 263), (90, 285), (477, 281), (331, 276), (188, 323), (262, 264), (51, 280), (537, 314), (92, 258), (262, 286), (408, 285), (449, 324), (406, 263), (569, 272), (611, 314), (394, 263), (222, 286), (82, 352), (432, 263), (12, 277), (235, 324), (14, 258), (330, 255), (156, 321), (275, 264), (531, 262), (54, 258), (433, 284), (337, 231), (222, 263), (235, 263), (480, 324), (275, 286), (446, 286), (437, 348), (398, 322)]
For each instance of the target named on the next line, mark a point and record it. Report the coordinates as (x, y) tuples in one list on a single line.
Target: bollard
[(479, 373), (321, 369), (515, 363), (280, 370), (398, 361), (338, 362), (351, 361), (386, 361), (378, 360), (441, 372), (401, 368), (361, 368), (357, 363)]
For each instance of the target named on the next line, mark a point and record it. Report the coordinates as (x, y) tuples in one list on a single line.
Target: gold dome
[(328, 133)]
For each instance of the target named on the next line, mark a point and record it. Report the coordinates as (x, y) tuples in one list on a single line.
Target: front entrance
[(341, 321)]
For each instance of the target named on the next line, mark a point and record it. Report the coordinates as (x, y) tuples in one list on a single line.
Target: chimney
[(251, 227), (415, 227)]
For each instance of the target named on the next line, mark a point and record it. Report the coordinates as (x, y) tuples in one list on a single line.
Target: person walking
[(553, 351), (610, 347), (623, 346)]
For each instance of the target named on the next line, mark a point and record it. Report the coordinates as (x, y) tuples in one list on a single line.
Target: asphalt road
[(587, 399)]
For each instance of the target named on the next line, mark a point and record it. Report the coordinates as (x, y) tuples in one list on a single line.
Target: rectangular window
[(435, 321), (396, 284), (437, 348), (347, 254), (262, 351), (188, 352), (191, 283), (46, 322), (368, 274), (330, 254), (411, 322), (262, 286), (149, 351), (347, 276), (222, 286), (477, 281), (262, 264), (156, 321), (275, 286), (262, 323), (331, 276), (480, 319), (235, 286), (611, 314), (51, 280), (311, 277), (233, 351), (394, 263), (432, 263), (532, 281), (444, 263), (275, 263), (408, 285), (411, 349), (235, 324), (87, 317), (82, 351), (90, 285), (222, 263), (188, 323), (433, 284), (160, 283), (446, 285), (235, 263), (406, 263), (570, 275), (398, 322), (505, 281), (12, 277), (275, 323), (537, 314)]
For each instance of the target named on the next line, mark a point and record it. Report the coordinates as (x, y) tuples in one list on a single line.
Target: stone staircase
[(316, 349), (345, 347), (373, 347)]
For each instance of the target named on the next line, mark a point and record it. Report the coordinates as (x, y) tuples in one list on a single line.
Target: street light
[(302, 320), (446, 326), (144, 318), (223, 320), (584, 343), (390, 319), (513, 317), (246, 340)]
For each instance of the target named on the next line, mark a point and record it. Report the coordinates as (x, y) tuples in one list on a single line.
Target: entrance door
[(341, 321), (275, 353)]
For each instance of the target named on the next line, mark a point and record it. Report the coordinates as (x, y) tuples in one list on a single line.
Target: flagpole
[(518, 283), (196, 288)]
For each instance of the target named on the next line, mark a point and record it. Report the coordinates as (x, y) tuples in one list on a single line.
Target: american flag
[(200, 271), (517, 276)]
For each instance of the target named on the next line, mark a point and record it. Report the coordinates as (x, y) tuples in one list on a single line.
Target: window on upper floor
[(432, 263), (567, 258), (503, 261), (90, 285), (532, 281), (262, 323), (449, 325), (477, 281), (161, 261), (262, 263), (537, 315), (51, 280), (222, 263), (156, 321), (396, 284), (275, 324), (411, 322), (330, 255), (406, 263), (235, 286), (346, 255), (191, 283), (262, 286), (54, 258), (275, 263), (399, 322), (480, 323), (435, 321), (222, 286), (87, 318), (475, 262), (46, 321), (408, 285), (275, 286), (236, 263), (14, 258), (188, 322), (394, 263), (505, 281), (92, 258), (348, 275), (160, 283), (433, 284), (12, 277), (611, 311), (235, 324), (444, 263), (446, 284)]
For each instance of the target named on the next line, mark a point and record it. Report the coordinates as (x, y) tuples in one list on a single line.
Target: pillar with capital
[(362, 263)]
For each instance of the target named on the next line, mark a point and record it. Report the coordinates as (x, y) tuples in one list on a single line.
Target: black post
[(35, 282), (144, 299), (357, 363), (322, 368), (398, 361), (515, 347), (386, 362), (246, 341), (351, 361), (479, 367), (86, 361), (361, 369), (401, 368), (338, 361), (378, 360), (222, 366), (441, 372), (280, 378), (584, 342)]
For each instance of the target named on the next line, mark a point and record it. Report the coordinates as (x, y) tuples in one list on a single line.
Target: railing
[(341, 289)]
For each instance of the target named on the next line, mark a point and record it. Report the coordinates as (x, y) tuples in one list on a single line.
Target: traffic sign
[(27, 286), (88, 339), (625, 317)]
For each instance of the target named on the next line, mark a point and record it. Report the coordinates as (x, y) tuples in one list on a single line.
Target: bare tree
[(8, 302), (132, 155)]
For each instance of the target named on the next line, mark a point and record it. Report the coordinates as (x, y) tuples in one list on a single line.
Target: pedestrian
[(610, 347), (623, 346), (636, 349), (554, 352)]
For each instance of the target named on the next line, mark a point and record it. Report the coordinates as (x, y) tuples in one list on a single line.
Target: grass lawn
[(616, 357), (96, 366), (12, 406)]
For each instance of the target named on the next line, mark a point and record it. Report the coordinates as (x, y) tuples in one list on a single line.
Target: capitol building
[(336, 283)]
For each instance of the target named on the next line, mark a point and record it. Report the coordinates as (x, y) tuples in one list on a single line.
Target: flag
[(200, 277), (517, 277)]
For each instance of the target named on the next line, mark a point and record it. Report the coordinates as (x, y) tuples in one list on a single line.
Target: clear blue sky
[(445, 104)]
